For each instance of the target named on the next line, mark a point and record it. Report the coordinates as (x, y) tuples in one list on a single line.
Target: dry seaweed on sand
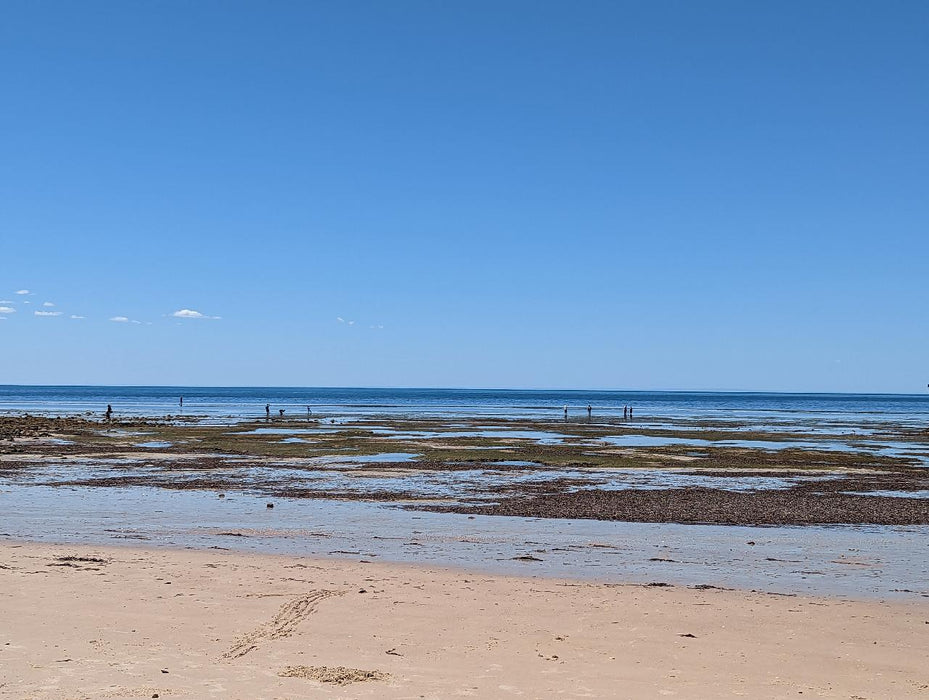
[(337, 675)]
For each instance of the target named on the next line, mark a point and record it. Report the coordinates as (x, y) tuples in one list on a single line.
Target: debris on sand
[(339, 675)]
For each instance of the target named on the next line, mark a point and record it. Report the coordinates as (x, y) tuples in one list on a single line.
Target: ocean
[(238, 403)]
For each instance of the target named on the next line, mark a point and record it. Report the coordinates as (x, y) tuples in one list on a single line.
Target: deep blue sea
[(245, 402)]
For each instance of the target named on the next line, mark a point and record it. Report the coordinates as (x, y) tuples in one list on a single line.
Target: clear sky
[(654, 195)]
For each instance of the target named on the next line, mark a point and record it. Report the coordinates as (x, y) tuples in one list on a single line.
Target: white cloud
[(340, 319), (120, 319), (6, 301), (47, 303), (377, 327), (7, 310), (23, 291), (47, 313), (187, 313), (75, 316), (190, 313)]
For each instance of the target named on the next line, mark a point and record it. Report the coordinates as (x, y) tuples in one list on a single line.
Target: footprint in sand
[(281, 625)]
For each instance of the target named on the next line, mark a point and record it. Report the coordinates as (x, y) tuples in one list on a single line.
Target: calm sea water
[(244, 402)]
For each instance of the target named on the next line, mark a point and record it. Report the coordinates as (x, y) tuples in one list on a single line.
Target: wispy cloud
[(6, 301), (47, 313), (23, 291), (75, 316), (377, 326), (190, 313), (119, 319), (342, 320), (47, 303), (7, 310)]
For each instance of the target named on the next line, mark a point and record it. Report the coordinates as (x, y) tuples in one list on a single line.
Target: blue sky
[(655, 195)]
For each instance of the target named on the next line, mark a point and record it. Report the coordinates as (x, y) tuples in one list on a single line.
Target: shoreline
[(851, 561), (95, 622)]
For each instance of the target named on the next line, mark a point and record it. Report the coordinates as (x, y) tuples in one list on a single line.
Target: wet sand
[(95, 622)]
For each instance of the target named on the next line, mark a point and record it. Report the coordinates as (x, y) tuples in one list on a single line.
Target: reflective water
[(880, 562)]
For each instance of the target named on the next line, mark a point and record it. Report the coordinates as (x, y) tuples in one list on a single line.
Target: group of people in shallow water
[(280, 412), (627, 411)]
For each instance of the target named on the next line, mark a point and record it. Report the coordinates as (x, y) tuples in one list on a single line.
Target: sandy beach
[(97, 622)]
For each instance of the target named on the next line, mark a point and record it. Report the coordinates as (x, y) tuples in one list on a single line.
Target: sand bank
[(95, 622)]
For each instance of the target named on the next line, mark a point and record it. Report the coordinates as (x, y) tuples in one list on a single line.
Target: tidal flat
[(643, 470)]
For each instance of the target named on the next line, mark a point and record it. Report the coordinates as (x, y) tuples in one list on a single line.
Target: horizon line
[(472, 388)]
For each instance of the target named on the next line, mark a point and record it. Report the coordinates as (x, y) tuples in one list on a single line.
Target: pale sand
[(202, 624)]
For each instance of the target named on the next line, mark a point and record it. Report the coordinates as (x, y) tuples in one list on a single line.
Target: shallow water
[(541, 437), (286, 431), (870, 562), (55, 441), (916, 452), (633, 440), (380, 457)]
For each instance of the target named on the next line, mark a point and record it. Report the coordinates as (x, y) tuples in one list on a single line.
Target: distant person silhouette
[(281, 412), (109, 412), (268, 411), (630, 412), (589, 410), (182, 402), (625, 411), (566, 412)]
